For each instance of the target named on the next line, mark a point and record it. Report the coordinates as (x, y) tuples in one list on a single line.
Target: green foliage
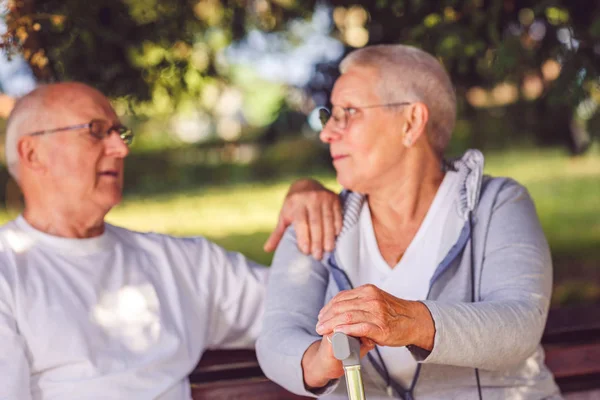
[(485, 43), (159, 50), (262, 100), (128, 47), (164, 55)]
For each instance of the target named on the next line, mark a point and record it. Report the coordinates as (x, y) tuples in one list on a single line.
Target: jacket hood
[(470, 170)]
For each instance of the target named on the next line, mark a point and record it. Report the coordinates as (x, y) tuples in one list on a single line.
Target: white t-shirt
[(409, 279), (124, 315)]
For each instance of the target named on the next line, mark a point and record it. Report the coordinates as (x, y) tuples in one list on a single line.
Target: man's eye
[(351, 110), (96, 135)]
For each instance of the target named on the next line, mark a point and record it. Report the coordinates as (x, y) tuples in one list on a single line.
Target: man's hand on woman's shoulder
[(316, 214)]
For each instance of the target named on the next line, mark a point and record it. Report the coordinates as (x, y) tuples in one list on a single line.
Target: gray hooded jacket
[(498, 257)]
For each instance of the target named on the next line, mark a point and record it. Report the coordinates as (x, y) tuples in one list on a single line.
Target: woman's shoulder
[(498, 192), (500, 186)]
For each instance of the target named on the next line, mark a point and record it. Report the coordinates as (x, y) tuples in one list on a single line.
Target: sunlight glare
[(130, 315)]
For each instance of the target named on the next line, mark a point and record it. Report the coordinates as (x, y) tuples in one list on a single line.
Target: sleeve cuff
[(327, 389), (422, 355), (418, 353), (294, 382)]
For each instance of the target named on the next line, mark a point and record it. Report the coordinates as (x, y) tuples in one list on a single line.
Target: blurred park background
[(221, 95)]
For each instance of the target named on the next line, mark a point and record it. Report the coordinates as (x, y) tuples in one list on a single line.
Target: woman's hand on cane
[(369, 312), (319, 364)]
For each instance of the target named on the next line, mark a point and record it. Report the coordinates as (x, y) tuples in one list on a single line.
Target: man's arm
[(14, 366), (316, 214), (233, 289)]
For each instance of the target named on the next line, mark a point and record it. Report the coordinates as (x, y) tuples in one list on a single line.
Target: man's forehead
[(83, 105), (57, 105)]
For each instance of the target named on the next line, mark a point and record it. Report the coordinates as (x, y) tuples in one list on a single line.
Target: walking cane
[(347, 350)]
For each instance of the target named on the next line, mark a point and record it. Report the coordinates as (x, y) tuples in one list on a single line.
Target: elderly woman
[(443, 273)]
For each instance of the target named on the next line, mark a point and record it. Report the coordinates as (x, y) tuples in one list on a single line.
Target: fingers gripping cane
[(347, 350)]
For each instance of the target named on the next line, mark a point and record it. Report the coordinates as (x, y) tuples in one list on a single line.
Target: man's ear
[(416, 123), (28, 150)]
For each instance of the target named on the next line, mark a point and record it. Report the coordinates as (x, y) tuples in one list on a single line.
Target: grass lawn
[(566, 191)]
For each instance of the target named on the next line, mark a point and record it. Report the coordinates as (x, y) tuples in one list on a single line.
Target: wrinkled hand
[(369, 312), (316, 214), (319, 365)]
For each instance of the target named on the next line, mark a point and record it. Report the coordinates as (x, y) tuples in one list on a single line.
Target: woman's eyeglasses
[(341, 115)]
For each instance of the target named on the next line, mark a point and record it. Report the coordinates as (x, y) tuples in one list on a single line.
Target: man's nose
[(116, 146), (329, 134)]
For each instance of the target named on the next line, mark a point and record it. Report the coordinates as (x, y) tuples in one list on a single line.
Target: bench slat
[(573, 324), (218, 365), (246, 389), (574, 360)]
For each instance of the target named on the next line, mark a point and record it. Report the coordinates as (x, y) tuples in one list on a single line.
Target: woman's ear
[(416, 122), (407, 139)]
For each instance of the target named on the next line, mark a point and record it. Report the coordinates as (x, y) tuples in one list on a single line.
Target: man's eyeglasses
[(98, 129), (341, 115)]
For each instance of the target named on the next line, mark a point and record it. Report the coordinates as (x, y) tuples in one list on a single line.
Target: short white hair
[(29, 112), (411, 74)]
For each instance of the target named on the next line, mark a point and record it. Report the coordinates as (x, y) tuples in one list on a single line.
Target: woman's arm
[(506, 324), (295, 294)]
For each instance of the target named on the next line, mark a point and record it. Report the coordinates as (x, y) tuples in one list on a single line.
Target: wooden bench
[(571, 341)]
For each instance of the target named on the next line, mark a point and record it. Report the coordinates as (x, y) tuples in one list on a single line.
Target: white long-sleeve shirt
[(124, 315)]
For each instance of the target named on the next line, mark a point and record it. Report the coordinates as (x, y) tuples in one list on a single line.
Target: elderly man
[(91, 310)]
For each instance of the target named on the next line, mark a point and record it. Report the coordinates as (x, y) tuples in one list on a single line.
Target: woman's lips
[(338, 157)]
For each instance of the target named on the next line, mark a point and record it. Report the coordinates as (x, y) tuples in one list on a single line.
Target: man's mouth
[(111, 173)]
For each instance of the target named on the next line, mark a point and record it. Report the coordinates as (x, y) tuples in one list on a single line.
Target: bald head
[(45, 108)]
